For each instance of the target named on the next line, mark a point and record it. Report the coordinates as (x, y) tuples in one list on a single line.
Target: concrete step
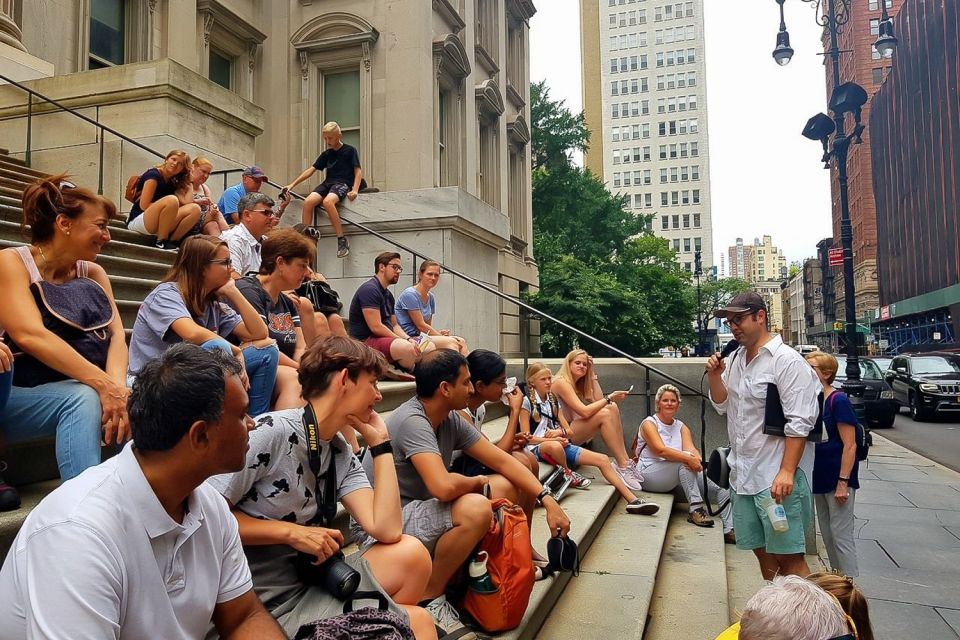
[(611, 596), (13, 215), (10, 521), (115, 265), (692, 577), (19, 166)]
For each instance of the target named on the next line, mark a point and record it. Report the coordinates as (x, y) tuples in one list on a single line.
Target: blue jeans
[(6, 383), (261, 367), (69, 410)]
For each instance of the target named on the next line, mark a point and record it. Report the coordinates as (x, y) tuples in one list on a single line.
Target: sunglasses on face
[(740, 318)]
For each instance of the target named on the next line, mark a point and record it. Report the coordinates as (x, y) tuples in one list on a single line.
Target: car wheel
[(886, 422), (917, 412)]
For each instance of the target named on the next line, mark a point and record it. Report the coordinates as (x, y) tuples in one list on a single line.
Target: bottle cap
[(478, 566)]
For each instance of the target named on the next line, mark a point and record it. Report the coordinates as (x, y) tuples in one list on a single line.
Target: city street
[(938, 440)]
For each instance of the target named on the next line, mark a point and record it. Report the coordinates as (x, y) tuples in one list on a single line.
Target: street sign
[(835, 257), (883, 344), (936, 335)]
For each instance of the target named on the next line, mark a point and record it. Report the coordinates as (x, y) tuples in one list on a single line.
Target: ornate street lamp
[(846, 98)]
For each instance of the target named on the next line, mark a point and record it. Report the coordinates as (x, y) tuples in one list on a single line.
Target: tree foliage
[(600, 270), (715, 294)]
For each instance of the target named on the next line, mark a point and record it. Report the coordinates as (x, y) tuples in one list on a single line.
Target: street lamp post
[(847, 98), (698, 273)]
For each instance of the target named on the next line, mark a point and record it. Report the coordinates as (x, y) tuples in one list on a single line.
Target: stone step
[(17, 165), (611, 596), (13, 214), (692, 577), (117, 266)]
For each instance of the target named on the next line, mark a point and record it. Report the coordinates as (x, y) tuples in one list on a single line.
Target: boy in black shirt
[(344, 178)]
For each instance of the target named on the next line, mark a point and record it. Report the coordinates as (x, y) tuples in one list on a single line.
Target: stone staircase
[(634, 567)]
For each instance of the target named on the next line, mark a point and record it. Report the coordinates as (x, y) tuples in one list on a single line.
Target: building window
[(877, 75), (696, 221), (486, 28), (341, 104), (106, 33), (221, 69), (664, 223), (676, 221), (676, 244), (875, 27), (686, 245), (686, 221)]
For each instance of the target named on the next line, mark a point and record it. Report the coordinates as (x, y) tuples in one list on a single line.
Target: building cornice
[(334, 31), (453, 56)]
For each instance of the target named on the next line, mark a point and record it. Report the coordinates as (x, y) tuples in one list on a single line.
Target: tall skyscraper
[(645, 102), (861, 63)]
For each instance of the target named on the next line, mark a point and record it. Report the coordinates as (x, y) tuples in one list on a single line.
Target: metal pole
[(100, 172), (27, 153)]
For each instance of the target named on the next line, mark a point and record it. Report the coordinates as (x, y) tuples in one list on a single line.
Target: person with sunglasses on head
[(193, 304), (246, 239), (373, 318), (765, 468), (63, 382)]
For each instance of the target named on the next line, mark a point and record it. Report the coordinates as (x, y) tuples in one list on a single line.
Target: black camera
[(334, 575)]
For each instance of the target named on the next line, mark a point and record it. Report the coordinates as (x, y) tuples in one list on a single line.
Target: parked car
[(882, 361), (804, 349), (927, 383), (880, 408)]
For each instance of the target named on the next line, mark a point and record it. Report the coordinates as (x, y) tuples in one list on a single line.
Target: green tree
[(715, 294), (600, 270)]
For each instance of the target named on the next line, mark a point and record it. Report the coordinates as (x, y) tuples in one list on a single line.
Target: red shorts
[(382, 345)]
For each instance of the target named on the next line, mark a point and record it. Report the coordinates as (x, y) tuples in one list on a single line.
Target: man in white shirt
[(766, 468), (139, 547), (256, 219)]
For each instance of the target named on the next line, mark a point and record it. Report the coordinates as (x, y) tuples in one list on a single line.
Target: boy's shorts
[(571, 452), (382, 345), (339, 189), (753, 527)]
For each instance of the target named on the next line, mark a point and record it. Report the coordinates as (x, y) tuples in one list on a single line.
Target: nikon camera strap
[(326, 499)]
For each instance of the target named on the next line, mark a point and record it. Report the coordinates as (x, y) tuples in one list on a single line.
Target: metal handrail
[(530, 309)]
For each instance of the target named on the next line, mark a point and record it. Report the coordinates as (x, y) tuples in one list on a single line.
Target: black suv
[(928, 383), (880, 409)]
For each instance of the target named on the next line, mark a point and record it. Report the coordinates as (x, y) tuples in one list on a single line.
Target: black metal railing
[(527, 311)]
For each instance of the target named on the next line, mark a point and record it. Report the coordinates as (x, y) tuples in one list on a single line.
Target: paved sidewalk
[(908, 544)]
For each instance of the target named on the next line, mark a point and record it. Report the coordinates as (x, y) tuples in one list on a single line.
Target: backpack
[(863, 437), (510, 565), (360, 624), (130, 193)]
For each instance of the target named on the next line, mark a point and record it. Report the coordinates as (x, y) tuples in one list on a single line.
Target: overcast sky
[(765, 177)]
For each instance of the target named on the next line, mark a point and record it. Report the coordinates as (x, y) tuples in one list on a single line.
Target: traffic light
[(838, 326)]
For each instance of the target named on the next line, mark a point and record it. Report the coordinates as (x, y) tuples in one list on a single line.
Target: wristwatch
[(543, 494), (380, 449)]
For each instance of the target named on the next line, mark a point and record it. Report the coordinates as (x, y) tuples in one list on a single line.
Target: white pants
[(139, 225), (836, 527), (664, 476)]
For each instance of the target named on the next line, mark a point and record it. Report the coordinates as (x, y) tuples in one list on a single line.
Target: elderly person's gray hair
[(250, 200), (792, 608), (666, 388)]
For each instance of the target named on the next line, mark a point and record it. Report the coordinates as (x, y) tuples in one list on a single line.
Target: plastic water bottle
[(777, 516), (479, 577)]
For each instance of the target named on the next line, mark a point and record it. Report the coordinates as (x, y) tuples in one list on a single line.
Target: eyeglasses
[(739, 318), (267, 212), (225, 262), (396, 267)]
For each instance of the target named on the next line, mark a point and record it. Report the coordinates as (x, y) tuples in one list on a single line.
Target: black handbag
[(563, 554), (79, 312), (322, 296), (774, 420)]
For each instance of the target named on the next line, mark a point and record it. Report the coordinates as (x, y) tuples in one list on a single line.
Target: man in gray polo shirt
[(139, 547)]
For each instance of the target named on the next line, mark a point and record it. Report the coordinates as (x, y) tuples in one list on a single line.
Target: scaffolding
[(923, 329)]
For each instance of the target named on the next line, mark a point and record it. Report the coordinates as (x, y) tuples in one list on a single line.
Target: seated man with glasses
[(256, 219), (373, 319)]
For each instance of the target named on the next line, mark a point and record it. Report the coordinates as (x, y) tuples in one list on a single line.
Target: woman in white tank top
[(667, 458)]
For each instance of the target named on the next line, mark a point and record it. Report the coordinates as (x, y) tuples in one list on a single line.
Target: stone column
[(9, 31)]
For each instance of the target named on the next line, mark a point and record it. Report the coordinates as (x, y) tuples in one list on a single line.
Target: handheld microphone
[(729, 348)]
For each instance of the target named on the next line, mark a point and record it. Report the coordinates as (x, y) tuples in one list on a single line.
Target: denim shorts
[(571, 452), (753, 527)]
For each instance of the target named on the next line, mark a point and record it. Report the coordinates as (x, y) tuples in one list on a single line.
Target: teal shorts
[(753, 527)]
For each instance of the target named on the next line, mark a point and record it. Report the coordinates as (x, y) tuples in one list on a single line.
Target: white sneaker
[(446, 617), (630, 477)]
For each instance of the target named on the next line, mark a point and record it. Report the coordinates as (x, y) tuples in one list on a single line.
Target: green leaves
[(600, 270)]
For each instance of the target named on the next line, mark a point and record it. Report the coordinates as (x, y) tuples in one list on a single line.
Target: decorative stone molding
[(450, 15), (514, 96), (522, 9), (450, 57), (518, 131), (334, 31), (229, 21), (208, 22), (489, 98), (304, 64), (9, 31)]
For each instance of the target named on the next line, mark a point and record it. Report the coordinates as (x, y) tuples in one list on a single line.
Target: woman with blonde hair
[(191, 305), (548, 439), (211, 221), (854, 603), (416, 307), (667, 458), (835, 466), (589, 411), (157, 209)]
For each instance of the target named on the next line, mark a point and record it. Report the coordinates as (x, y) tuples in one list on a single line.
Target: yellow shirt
[(730, 633)]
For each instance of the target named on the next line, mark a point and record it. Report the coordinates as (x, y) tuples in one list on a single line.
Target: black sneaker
[(343, 247), (642, 507), (167, 245), (9, 497)]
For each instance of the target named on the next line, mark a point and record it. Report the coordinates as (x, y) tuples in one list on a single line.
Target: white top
[(754, 457), (100, 558), (244, 249), (669, 433), (546, 417)]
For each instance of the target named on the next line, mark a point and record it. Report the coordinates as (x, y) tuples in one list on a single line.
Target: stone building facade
[(435, 96)]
